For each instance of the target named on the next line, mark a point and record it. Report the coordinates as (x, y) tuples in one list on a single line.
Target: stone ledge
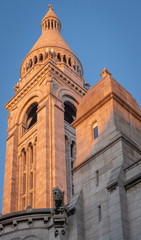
[(132, 181)]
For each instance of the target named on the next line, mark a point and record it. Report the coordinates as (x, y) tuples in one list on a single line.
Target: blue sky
[(102, 33)]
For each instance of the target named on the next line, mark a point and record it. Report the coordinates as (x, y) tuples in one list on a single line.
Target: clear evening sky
[(102, 33)]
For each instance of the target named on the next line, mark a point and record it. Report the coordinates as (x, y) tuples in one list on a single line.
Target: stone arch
[(30, 116), (68, 95), (30, 141), (34, 96), (35, 140), (22, 147)]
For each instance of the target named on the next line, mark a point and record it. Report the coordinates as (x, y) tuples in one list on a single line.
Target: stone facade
[(86, 143), (51, 85)]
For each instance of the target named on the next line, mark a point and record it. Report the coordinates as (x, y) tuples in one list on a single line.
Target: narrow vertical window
[(73, 149), (31, 157), (40, 57), (97, 178), (99, 213), (35, 59), (71, 164), (64, 59), (31, 180), (48, 24), (24, 184), (72, 189), (72, 184), (69, 62), (95, 130), (24, 160), (77, 68), (52, 24), (59, 57)]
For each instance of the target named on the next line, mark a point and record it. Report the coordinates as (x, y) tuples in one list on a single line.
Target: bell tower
[(40, 148)]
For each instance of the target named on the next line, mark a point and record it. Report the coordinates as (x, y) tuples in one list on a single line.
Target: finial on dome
[(105, 73), (50, 6)]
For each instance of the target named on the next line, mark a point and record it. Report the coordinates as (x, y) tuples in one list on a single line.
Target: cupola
[(51, 45), (51, 21)]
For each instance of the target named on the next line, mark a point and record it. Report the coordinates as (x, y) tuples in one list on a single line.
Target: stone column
[(11, 173), (34, 171), (118, 213), (27, 176), (19, 180)]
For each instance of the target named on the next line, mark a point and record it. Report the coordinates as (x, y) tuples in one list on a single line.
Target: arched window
[(70, 146), (30, 63), (69, 62), (70, 112), (64, 59), (52, 24), (35, 59), (59, 57), (27, 173), (31, 115), (24, 159), (40, 57), (48, 24), (55, 24)]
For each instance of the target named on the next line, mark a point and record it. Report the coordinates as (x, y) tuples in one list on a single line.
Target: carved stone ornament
[(58, 196)]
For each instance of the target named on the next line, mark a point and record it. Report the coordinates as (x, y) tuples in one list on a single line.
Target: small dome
[(51, 39), (51, 36)]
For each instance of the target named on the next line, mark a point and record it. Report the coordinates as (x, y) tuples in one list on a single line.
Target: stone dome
[(51, 44)]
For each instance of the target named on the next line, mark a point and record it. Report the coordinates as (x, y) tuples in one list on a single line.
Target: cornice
[(48, 68), (102, 102), (32, 82)]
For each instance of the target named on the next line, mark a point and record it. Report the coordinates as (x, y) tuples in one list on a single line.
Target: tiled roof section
[(51, 38)]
